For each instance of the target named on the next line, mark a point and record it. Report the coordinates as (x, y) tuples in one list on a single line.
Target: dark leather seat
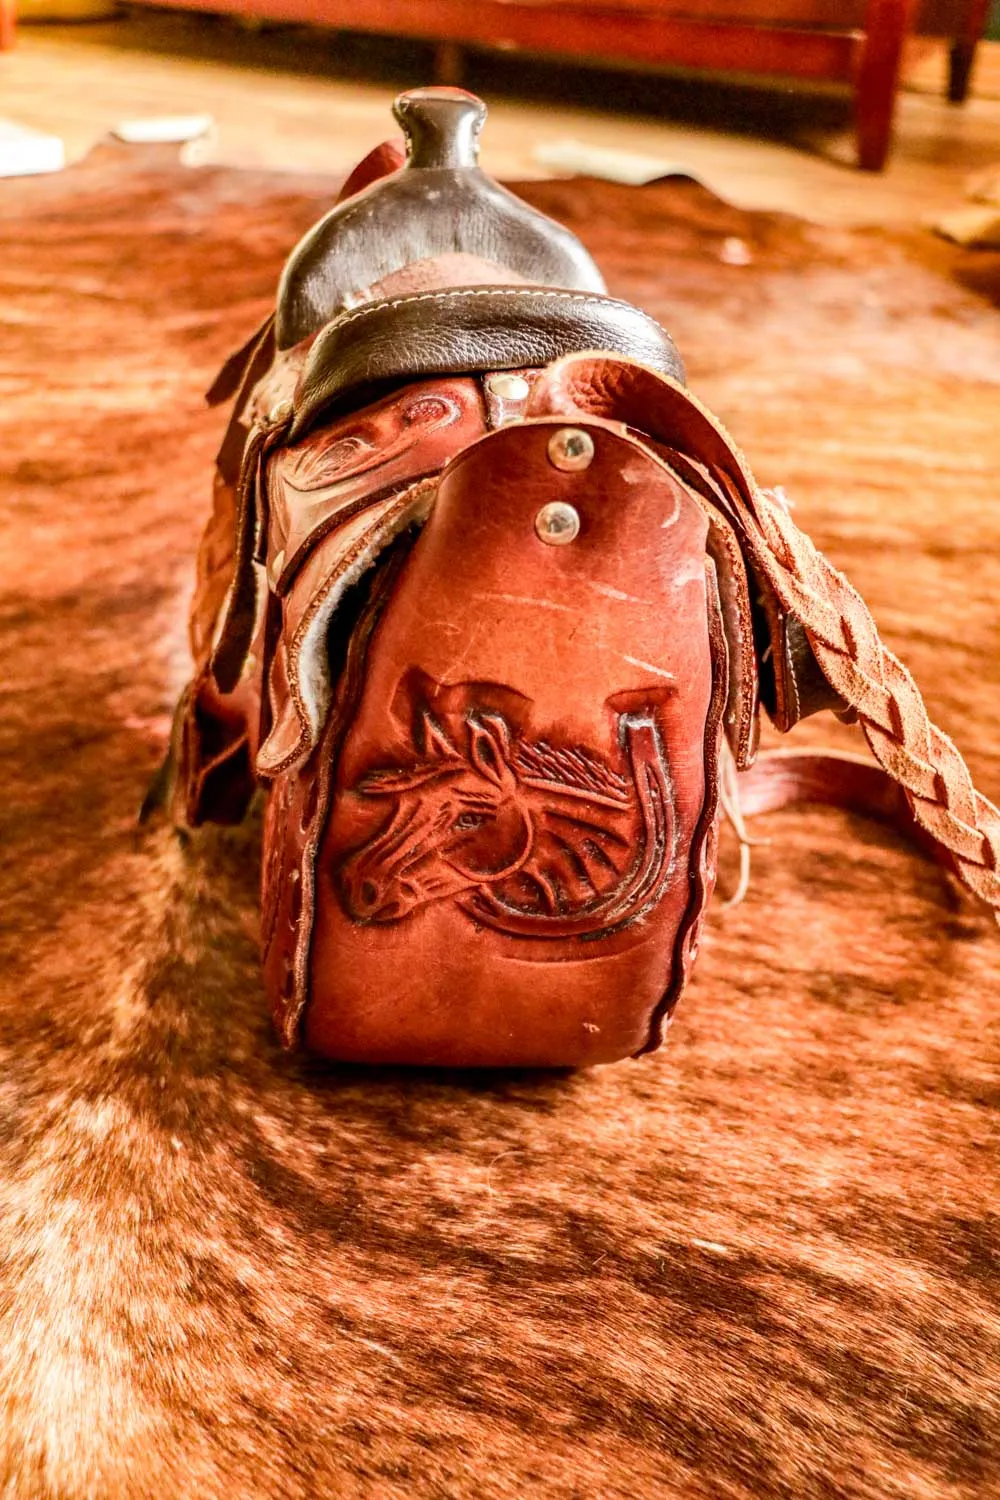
[(439, 203)]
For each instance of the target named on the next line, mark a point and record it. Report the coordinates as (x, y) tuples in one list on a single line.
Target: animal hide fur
[(762, 1263)]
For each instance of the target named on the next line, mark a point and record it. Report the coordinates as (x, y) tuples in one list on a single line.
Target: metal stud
[(279, 413), (557, 523), (509, 387), (506, 397), (571, 449)]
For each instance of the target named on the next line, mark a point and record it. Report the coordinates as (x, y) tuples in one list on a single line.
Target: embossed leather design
[(314, 486), (523, 797)]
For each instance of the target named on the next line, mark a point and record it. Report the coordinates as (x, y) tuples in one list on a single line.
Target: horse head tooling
[(531, 838), (490, 603)]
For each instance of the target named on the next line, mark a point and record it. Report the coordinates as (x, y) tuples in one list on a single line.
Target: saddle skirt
[(490, 604)]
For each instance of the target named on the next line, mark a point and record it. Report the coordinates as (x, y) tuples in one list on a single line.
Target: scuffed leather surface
[(470, 329), (792, 684), (553, 650), (798, 687), (307, 620), (343, 478)]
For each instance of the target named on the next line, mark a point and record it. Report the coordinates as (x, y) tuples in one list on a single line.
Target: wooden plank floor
[(290, 98)]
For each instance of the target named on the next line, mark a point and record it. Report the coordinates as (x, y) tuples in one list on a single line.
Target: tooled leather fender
[(524, 800)]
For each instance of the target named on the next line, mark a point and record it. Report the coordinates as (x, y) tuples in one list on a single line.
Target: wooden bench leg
[(449, 64), (960, 61), (963, 51), (886, 26), (7, 14)]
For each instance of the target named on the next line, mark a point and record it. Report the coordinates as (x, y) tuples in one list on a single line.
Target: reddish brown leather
[(833, 778), (336, 481), (792, 685), (552, 696), (300, 684), (782, 778), (379, 163), (297, 809), (833, 620), (491, 832), (314, 486)]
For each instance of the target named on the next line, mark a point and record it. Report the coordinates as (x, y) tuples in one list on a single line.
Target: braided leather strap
[(912, 750)]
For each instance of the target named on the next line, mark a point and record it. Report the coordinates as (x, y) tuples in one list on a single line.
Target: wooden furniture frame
[(7, 15), (963, 50), (757, 37)]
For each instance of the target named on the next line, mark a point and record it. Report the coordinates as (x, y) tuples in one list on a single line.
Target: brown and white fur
[(762, 1263)]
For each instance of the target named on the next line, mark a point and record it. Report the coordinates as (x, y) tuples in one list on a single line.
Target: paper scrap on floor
[(24, 152), (577, 157), (163, 130)]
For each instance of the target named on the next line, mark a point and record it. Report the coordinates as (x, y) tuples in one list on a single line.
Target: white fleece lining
[(310, 662)]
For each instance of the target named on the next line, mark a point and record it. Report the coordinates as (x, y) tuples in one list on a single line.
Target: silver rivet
[(558, 523), (274, 568), (509, 387), (570, 449), (280, 413)]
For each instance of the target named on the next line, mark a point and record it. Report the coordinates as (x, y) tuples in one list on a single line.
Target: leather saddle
[(490, 603)]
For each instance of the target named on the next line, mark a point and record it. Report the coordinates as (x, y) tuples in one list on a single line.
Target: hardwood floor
[(291, 98)]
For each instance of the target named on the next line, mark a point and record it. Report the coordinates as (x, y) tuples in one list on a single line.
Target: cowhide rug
[(760, 1264)]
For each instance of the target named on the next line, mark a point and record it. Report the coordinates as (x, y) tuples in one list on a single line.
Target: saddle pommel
[(442, 127)]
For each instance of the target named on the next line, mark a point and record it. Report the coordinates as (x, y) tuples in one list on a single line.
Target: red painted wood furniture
[(854, 42), (964, 25), (7, 13)]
